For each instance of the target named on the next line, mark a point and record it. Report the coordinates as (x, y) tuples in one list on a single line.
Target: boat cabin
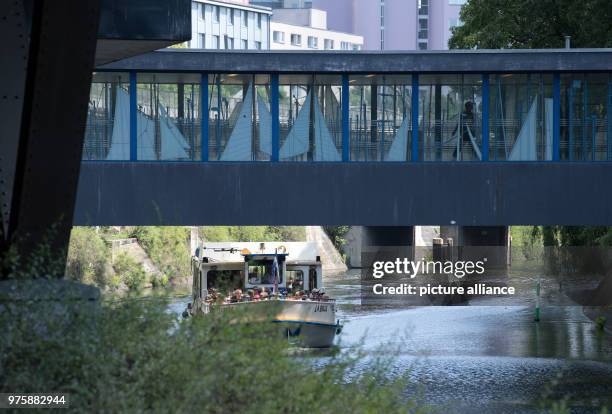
[(249, 271)]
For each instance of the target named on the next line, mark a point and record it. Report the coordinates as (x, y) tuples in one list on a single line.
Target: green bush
[(252, 233), (135, 357), (131, 273), (337, 235), (600, 322), (159, 280), (168, 248), (163, 281), (88, 258)]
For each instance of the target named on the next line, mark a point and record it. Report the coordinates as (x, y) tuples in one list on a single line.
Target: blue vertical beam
[(556, 117), (274, 107), (345, 119), (585, 116), (570, 119), (133, 118), (485, 117), (218, 120), (415, 117), (593, 137), (609, 118), (204, 116)]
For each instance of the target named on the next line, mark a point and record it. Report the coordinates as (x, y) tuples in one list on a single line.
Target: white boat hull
[(312, 324)]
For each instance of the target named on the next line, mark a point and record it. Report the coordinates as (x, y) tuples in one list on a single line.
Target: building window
[(245, 18), (202, 41), (258, 45), (203, 11), (216, 14), (313, 42), (296, 39), (356, 47), (422, 46), (278, 37), (215, 42), (231, 16), (328, 44), (229, 42), (457, 2), (259, 21), (423, 7), (245, 44), (345, 45)]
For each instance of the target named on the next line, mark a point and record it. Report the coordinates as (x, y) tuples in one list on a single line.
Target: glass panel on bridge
[(380, 124), (168, 117), (310, 116), (107, 132), (584, 117), (521, 117), (450, 117), (240, 120)]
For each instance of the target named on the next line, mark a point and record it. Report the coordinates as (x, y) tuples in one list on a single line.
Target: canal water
[(482, 358)]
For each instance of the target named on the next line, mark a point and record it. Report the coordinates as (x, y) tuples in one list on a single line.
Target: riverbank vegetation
[(337, 235), (136, 357), (91, 258), (252, 233)]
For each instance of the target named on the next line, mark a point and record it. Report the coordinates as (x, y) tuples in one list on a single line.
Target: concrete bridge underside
[(369, 194)]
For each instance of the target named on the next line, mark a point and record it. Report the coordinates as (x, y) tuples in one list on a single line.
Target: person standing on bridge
[(466, 127)]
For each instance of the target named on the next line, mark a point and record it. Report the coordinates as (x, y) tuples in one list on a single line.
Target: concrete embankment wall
[(331, 258)]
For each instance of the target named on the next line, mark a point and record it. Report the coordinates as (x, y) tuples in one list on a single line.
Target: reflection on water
[(479, 358)]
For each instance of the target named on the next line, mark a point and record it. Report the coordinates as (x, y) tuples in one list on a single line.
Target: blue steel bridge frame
[(481, 62)]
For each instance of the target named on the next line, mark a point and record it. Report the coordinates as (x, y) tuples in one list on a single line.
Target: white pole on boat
[(275, 271), (538, 290)]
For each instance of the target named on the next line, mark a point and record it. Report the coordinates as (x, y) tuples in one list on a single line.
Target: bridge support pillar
[(478, 242), (361, 238), (45, 80)]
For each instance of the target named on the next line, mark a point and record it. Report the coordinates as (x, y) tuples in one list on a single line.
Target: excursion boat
[(226, 277)]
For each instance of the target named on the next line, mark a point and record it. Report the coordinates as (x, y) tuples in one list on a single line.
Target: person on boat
[(465, 125), (290, 285), (254, 276)]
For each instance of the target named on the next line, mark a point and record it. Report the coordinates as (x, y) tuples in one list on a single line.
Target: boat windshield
[(260, 272), (224, 280)]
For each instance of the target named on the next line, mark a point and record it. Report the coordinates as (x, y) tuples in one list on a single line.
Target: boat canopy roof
[(265, 254)]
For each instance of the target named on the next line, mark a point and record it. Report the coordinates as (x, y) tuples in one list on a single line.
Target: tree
[(337, 235), (88, 257), (168, 248), (131, 273), (497, 24)]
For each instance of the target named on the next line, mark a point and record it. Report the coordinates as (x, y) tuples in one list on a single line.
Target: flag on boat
[(275, 274)]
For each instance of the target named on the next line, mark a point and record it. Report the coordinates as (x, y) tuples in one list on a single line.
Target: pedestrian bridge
[(179, 137)]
